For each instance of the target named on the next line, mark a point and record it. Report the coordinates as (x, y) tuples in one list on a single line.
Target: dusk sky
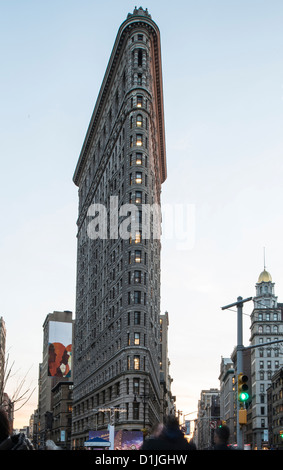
[(223, 100)]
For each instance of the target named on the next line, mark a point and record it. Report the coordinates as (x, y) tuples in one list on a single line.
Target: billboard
[(60, 349), (123, 440)]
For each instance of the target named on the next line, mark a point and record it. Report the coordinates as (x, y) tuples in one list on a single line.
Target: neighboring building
[(227, 396), (266, 326), (62, 403), (56, 366), (208, 418), (118, 276), (33, 425), (167, 399), (275, 411)]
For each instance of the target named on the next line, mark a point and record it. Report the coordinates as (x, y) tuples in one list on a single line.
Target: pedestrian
[(9, 441), (221, 438), (170, 438), (50, 445)]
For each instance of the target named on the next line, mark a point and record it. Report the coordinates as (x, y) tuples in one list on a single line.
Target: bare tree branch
[(18, 394)]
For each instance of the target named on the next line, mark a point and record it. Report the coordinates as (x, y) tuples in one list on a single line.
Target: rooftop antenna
[(264, 258)]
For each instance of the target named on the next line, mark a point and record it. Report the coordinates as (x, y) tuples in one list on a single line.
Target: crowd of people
[(170, 437), (164, 437)]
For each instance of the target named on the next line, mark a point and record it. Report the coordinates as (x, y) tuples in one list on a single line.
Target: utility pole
[(240, 348)]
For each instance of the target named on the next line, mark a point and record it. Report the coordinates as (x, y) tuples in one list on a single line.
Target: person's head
[(4, 425), (171, 422), (221, 435)]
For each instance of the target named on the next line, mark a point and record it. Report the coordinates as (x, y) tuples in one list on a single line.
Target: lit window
[(137, 256), (138, 237), (139, 120), (139, 101), (137, 339), (138, 177), (138, 198), (137, 362), (138, 158), (139, 140)]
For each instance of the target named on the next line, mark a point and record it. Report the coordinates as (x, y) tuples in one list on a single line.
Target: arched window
[(139, 101), (139, 120), (139, 140)]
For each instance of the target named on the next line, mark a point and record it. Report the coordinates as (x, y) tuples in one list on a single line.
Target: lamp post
[(145, 396), (111, 425)]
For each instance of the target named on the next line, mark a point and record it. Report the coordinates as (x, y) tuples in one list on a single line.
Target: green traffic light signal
[(243, 394)]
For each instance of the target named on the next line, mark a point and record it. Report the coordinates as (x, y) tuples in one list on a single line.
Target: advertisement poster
[(60, 349), (124, 440)]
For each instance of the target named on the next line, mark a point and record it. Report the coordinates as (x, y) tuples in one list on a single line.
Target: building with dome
[(266, 360)]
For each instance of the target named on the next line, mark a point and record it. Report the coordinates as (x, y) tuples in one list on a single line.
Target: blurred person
[(170, 438), (221, 438), (9, 441), (50, 445)]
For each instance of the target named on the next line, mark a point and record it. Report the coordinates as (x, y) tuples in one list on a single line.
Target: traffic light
[(281, 434), (243, 394)]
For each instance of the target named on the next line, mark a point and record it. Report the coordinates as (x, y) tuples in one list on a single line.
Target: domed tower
[(265, 291)]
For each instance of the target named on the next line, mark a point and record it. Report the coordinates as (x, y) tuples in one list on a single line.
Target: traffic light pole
[(240, 348)]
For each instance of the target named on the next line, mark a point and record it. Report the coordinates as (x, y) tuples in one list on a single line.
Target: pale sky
[(223, 99)]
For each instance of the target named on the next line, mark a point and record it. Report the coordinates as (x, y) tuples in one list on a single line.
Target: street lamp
[(144, 396), (111, 425)]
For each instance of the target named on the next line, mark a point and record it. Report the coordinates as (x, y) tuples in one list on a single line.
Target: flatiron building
[(122, 162)]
